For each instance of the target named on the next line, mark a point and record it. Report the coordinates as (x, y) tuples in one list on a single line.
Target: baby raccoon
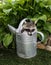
[(28, 26)]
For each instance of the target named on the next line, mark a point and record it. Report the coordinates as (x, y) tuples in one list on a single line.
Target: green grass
[(9, 57)]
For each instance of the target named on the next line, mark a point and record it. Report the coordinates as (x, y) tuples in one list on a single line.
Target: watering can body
[(25, 44)]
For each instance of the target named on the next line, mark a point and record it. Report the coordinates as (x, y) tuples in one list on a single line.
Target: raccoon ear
[(28, 20), (36, 21), (33, 22), (23, 23)]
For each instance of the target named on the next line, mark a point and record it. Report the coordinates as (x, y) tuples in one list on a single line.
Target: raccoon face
[(29, 31), (28, 27)]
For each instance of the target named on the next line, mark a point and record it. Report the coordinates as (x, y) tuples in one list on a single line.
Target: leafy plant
[(7, 40), (16, 10)]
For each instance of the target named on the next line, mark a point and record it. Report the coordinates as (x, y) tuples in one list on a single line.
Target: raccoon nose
[(30, 34)]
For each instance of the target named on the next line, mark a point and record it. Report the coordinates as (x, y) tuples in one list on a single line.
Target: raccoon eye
[(32, 30), (28, 30)]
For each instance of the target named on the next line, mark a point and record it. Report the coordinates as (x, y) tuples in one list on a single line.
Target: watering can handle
[(21, 23), (41, 35)]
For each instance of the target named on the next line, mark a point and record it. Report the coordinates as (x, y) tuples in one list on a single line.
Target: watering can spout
[(12, 29)]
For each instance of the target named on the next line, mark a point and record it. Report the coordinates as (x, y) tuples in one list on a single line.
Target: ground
[(9, 57)]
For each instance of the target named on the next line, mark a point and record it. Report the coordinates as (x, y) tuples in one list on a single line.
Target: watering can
[(26, 45)]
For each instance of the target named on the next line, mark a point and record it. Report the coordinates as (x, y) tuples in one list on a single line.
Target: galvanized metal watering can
[(26, 44)]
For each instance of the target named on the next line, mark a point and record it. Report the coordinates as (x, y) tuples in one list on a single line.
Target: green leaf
[(49, 2), (7, 40), (34, 19), (20, 1), (9, 1), (1, 4), (2, 33), (41, 4), (7, 11), (47, 27), (49, 7), (43, 17)]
